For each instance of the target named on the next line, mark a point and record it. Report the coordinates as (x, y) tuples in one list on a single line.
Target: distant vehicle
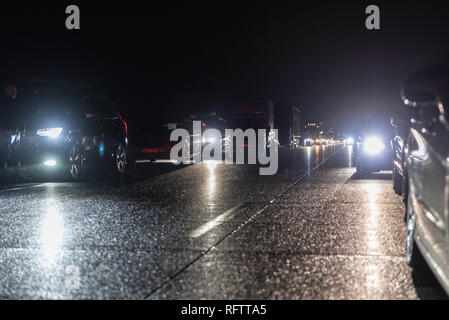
[(287, 120), (253, 115), (70, 130), (372, 151), (265, 115), (312, 132), (350, 141), (426, 154), (218, 137), (151, 142), (308, 141)]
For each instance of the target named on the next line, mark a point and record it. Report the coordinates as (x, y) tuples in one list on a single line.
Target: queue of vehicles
[(68, 130), (417, 152), (72, 130)]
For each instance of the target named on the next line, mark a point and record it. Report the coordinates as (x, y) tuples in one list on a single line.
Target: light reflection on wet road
[(211, 231)]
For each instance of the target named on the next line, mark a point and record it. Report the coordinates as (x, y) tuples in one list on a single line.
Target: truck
[(287, 120), (265, 115)]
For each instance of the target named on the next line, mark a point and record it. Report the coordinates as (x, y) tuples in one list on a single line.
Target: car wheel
[(75, 163), (397, 182), (119, 165), (120, 158)]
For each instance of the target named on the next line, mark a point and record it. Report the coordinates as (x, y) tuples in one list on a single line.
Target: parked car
[(426, 154), (69, 130)]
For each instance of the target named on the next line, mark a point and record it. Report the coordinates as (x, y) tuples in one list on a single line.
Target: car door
[(429, 149)]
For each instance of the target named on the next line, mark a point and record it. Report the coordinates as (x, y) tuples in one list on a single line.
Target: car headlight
[(350, 141), (209, 140), (373, 145), (50, 163), (49, 132)]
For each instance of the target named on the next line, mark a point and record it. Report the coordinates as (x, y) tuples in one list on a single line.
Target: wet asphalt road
[(210, 231)]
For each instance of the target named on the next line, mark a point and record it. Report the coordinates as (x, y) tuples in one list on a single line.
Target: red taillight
[(165, 148), (150, 150), (124, 122)]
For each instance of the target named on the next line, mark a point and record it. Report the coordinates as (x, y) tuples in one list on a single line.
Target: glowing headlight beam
[(373, 145), (50, 163), (49, 132), (209, 140)]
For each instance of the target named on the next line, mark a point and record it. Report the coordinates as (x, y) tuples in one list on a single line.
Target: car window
[(40, 107)]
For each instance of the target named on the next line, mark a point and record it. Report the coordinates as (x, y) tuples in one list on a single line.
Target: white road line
[(143, 161), (205, 228), (23, 188), (173, 276)]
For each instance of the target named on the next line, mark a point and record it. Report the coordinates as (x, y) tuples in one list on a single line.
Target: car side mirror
[(412, 96), (428, 88), (418, 93)]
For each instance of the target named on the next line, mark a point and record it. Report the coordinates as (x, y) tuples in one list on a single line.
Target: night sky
[(173, 59)]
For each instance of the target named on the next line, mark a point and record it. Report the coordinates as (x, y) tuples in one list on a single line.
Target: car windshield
[(46, 108)]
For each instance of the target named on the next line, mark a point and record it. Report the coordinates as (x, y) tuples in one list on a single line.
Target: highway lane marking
[(23, 188), (143, 161), (232, 232), (225, 216), (154, 161)]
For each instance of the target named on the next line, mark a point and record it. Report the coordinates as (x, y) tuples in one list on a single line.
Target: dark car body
[(151, 142), (69, 130)]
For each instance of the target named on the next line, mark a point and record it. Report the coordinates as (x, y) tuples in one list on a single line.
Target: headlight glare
[(209, 140), (373, 145), (49, 132)]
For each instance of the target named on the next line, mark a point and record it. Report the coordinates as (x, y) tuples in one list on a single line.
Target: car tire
[(397, 182), (119, 165), (75, 169)]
